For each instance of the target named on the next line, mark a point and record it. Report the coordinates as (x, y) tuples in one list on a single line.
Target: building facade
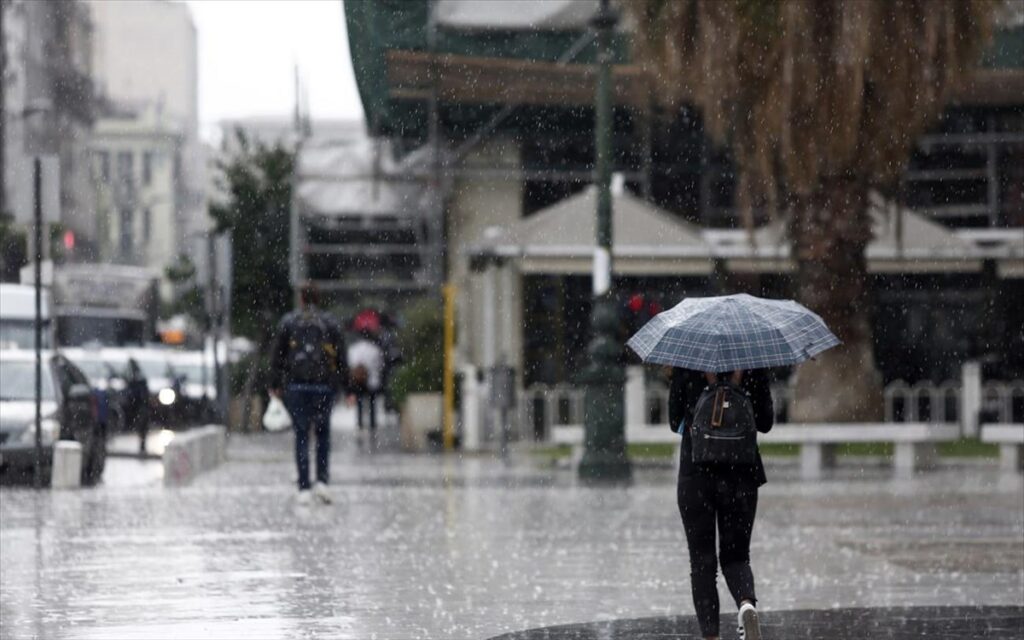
[(48, 108), (145, 60), (507, 89), (135, 166)]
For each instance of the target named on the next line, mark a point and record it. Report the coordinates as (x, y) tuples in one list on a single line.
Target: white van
[(18, 316)]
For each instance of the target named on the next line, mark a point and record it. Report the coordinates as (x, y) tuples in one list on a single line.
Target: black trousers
[(367, 399), (707, 498)]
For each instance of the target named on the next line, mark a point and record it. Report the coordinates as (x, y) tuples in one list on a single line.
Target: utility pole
[(604, 454), (37, 230)]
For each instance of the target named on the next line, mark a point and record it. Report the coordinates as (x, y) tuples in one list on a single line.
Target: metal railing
[(542, 407)]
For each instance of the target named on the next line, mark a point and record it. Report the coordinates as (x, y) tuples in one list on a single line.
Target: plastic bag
[(276, 417)]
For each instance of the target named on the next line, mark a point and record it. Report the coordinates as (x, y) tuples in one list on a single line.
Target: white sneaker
[(322, 493), (749, 625), (304, 498)]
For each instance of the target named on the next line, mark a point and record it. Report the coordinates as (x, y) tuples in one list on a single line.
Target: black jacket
[(684, 391), (335, 340)]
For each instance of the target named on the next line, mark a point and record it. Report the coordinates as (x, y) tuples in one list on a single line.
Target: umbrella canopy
[(725, 333), (366, 320)]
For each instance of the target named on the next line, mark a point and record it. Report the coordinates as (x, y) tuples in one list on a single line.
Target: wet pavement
[(898, 623), (436, 547)]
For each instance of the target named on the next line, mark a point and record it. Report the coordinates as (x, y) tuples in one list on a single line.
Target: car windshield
[(18, 381), (194, 373), (154, 367)]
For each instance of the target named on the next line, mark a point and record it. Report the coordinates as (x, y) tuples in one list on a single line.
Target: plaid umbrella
[(725, 333)]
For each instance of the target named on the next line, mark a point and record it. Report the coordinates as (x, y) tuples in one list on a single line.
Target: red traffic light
[(69, 239), (636, 303)]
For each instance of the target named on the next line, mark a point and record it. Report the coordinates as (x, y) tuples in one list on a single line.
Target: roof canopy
[(561, 238), (904, 241), (495, 39), (650, 241)]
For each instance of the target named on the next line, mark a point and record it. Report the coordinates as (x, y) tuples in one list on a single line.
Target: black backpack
[(723, 430), (311, 353)]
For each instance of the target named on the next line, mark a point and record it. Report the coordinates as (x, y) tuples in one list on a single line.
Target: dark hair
[(309, 294)]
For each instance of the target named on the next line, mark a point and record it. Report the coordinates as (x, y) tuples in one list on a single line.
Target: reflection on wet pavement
[(434, 547), (902, 623)]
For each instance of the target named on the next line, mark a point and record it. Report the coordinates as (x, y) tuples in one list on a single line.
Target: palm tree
[(819, 102)]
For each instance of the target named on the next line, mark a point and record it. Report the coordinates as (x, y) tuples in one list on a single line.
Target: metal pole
[(37, 194), (214, 319), (448, 410), (604, 453)]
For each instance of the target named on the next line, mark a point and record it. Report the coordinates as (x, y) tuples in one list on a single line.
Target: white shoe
[(304, 498), (322, 493), (749, 625)]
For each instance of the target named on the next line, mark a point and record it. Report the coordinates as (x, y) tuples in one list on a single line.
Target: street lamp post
[(604, 455), (37, 231), (40, 107)]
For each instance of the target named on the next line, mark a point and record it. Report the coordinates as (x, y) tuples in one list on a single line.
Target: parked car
[(69, 412)]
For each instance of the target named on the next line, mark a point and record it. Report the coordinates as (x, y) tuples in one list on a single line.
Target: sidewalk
[(466, 548)]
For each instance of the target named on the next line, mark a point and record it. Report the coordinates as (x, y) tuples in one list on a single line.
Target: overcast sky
[(248, 50)]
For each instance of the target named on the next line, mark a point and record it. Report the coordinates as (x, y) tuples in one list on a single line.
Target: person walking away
[(366, 364), (307, 370), (136, 408), (718, 484)]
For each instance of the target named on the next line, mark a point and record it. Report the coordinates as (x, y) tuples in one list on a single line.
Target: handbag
[(276, 417)]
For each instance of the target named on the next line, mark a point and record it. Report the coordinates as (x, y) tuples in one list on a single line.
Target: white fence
[(542, 407)]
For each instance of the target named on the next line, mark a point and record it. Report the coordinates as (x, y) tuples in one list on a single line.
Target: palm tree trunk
[(831, 229)]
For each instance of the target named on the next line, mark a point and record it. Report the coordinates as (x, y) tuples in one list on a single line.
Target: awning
[(361, 178), (560, 239)]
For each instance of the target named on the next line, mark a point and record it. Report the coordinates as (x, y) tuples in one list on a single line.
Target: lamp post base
[(604, 438)]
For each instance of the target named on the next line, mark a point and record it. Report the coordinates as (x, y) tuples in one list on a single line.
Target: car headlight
[(49, 431), (166, 396)]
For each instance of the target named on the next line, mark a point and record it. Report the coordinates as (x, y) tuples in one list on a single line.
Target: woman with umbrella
[(719, 399)]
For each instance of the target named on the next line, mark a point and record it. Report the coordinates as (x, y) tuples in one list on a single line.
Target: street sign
[(51, 188)]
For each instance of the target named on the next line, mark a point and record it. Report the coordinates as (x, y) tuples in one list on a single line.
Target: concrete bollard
[(193, 452), (970, 398), (471, 427), (635, 399), (66, 472)]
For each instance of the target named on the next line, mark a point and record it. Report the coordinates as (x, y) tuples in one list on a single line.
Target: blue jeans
[(310, 407)]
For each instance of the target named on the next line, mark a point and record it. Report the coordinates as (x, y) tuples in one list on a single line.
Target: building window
[(147, 224), (147, 168), (103, 162), (127, 233), (124, 166)]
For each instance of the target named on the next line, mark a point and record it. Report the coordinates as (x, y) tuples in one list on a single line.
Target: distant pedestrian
[(718, 484), (307, 370), (366, 367), (136, 406)]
